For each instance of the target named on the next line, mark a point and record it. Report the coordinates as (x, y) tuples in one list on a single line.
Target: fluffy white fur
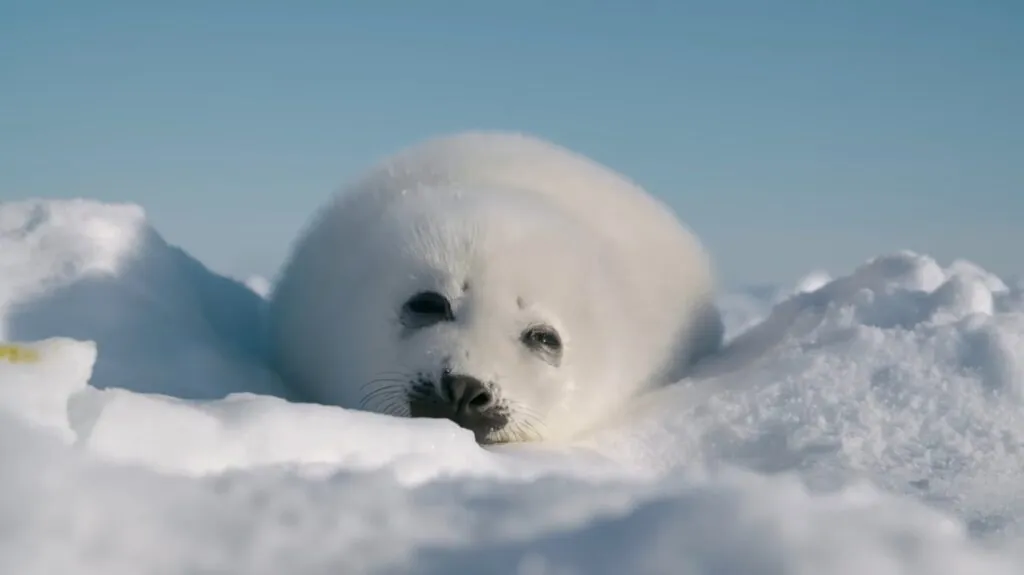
[(514, 231)]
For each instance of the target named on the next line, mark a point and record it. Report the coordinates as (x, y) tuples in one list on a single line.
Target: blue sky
[(789, 136)]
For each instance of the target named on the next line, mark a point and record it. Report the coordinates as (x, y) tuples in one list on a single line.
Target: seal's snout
[(469, 397), (465, 400)]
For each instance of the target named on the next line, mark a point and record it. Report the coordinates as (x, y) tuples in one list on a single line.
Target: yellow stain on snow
[(18, 354)]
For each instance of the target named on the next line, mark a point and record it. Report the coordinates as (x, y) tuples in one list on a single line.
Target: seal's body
[(519, 289)]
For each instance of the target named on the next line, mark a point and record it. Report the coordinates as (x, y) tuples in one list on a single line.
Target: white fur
[(518, 219)]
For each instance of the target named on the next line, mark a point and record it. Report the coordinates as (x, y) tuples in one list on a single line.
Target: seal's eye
[(542, 338), (426, 308)]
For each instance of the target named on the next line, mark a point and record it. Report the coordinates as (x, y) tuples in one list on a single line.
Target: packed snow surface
[(862, 422)]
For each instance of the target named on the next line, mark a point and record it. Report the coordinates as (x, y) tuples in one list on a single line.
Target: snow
[(868, 421)]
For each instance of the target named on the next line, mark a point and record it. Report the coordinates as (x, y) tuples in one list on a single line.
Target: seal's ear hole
[(543, 338), (426, 308)]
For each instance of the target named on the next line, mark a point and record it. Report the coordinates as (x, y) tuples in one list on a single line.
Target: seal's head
[(490, 310)]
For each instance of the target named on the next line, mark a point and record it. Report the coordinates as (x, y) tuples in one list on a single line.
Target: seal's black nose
[(468, 395), (463, 399)]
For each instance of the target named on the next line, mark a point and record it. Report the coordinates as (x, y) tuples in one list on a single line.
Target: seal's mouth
[(465, 400)]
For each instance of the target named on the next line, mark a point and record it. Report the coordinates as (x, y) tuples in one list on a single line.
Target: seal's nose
[(469, 397), (465, 400)]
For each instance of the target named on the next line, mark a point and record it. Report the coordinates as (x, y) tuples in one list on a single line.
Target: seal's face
[(493, 316), (492, 402)]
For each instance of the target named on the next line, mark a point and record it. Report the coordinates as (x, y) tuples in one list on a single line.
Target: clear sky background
[(789, 135)]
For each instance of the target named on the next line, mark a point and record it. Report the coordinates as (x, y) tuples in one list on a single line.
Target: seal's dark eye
[(426, 308), (542, 337)]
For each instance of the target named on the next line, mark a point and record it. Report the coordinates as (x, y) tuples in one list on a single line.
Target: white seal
[(517, 288)]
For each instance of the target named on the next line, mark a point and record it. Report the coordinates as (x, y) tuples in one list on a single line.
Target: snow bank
[(160, 319), (870, 423), (902, 372), (68, 513)]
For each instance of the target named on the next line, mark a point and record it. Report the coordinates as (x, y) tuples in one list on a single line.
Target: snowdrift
[(870, 423)]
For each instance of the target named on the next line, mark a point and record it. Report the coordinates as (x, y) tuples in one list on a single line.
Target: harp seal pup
[(495, 279)]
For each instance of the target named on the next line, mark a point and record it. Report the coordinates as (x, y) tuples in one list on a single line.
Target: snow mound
[(902, 372), (160, 319), (862, 423)]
